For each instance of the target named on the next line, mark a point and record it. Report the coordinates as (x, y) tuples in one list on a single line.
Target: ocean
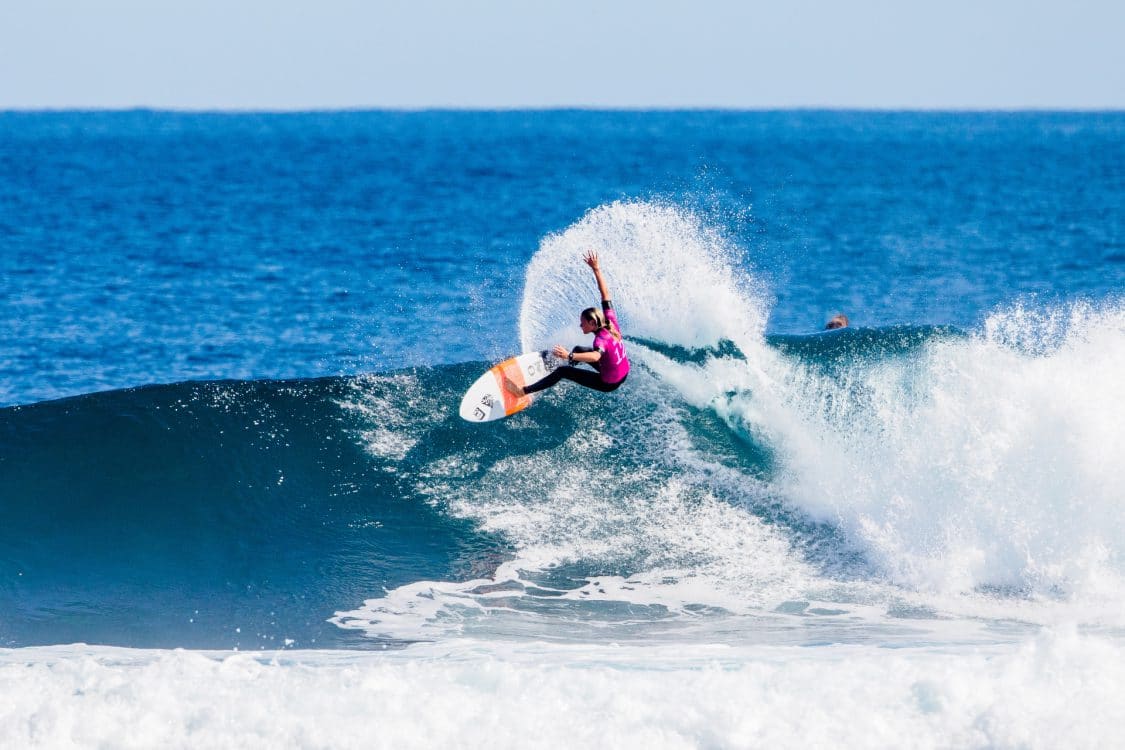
[(240, 510)]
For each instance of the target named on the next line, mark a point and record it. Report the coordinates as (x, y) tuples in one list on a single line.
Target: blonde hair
[(598, 318)]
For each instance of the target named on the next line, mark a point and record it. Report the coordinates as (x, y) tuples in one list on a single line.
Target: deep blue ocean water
[(232, 347), (148, 247)]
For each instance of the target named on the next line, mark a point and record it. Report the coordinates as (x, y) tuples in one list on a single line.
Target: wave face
[(742, 486), (218, 514)]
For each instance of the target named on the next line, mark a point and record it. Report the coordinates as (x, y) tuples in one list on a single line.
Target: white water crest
[(984, 462)]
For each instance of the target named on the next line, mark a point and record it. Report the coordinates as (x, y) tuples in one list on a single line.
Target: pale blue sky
[(255, 54)]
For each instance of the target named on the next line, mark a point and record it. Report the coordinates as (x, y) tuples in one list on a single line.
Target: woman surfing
[(606, 356)]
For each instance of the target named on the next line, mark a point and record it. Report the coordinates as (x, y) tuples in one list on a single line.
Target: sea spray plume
[(677, 283), (674, 280), (990, 463)]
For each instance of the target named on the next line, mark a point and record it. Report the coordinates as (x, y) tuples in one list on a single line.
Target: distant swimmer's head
[(838, 321), (592, 320)]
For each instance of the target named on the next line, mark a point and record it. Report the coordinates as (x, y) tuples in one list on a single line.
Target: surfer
[(838, 321), (606, 356)]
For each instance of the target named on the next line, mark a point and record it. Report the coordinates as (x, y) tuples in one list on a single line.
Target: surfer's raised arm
[(591, 259)]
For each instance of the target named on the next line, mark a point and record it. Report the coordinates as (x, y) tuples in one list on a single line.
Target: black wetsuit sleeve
[(582, 350), (607, 304)]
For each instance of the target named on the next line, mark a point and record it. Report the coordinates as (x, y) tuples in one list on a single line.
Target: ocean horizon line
[(561, 108)]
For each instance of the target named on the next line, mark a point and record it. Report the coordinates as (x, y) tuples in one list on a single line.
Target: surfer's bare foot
[(511, 387)]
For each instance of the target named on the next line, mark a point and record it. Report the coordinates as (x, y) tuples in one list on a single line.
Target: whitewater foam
[(974, 464), (1059, 689)]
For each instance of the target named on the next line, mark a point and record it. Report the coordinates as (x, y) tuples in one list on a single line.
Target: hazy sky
[(273, 54)]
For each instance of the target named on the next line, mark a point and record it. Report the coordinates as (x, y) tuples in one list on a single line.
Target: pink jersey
[(614, 365)]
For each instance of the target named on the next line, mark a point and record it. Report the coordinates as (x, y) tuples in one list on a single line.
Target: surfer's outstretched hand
[(591, 259), (561, 352)]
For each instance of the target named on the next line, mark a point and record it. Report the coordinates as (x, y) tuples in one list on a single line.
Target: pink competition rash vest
[(614, 365)]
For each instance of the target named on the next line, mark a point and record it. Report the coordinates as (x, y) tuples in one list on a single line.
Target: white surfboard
[(487, 399)]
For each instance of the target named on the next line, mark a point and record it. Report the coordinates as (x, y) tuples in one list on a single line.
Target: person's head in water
[(838, 321)]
